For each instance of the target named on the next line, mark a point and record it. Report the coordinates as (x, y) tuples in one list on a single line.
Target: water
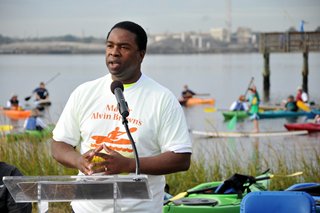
[(224, 76)]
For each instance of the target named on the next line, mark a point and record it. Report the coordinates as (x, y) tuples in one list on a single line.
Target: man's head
[(141, 35), (125, 49)]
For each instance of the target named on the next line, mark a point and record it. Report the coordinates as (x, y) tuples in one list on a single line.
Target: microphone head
[(116, 84)]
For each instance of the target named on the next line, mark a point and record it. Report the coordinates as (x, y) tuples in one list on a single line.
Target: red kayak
[(310, 127)]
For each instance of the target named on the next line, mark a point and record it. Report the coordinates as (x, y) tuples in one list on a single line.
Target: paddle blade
[(232, 123), (27, 98), (209, 109), (303, 106)]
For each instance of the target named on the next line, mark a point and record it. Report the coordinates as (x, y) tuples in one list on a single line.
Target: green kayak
[(230, 114), (30, 135), (216, 197)]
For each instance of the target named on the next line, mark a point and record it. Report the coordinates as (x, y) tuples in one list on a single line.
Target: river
[(224, 76)]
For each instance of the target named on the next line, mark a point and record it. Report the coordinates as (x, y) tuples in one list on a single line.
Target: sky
[(42, 18)]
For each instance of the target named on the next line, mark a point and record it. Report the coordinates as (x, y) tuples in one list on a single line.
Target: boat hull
[(196, 101), (310, 127), (209, 201), (17, 114), (281, 114), (239, 114), (247, 134)]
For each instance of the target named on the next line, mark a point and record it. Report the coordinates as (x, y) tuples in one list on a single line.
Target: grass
[(33, 158)]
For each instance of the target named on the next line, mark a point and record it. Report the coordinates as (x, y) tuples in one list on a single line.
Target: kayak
[(17, 114), (310, 127), (5, 128), (29, 135), (230, 114), (197, 101), (269, 108), (282, 114), (247, 134), (216, 197), (228, 196)]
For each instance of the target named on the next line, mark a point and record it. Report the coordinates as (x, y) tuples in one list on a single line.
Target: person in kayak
[(302, 95), (41, 96), (156, 119), (186, 94), (34, 122), (291, 104), (13, 103), (239, 105), (254, 101), (41, 93)]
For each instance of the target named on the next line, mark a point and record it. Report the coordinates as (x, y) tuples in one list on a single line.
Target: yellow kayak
[(5, 128)]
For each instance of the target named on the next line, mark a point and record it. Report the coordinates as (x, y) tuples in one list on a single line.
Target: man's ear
[(142, 54)]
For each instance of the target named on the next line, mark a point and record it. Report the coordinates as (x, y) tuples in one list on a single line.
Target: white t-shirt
[(156, 122)]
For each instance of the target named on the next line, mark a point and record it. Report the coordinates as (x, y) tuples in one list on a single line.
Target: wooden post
[(305, 71), (266, 77)]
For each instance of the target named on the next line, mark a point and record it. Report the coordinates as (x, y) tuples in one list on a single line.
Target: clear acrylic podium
[(44, 189)]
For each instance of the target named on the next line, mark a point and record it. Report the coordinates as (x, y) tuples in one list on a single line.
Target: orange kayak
[(17, 114), (197, 101)]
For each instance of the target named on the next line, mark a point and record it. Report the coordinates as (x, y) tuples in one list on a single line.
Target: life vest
[(32, 124), (239, 106)]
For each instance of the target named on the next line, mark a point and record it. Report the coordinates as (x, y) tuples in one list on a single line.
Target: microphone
[(117, 90)]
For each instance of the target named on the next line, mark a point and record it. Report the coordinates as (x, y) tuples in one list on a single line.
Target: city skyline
[(41, 18)]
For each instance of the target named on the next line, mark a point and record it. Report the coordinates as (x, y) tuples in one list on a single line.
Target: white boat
[(247, 134)]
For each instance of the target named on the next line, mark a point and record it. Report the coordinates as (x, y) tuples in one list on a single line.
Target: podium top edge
[(81, 177)]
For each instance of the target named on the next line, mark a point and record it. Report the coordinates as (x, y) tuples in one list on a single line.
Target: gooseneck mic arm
[(117, 90)]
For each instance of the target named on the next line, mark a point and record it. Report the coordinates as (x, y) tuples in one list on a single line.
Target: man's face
[(123, 57)]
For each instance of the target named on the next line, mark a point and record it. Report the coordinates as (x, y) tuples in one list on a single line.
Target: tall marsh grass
[(211, 163)]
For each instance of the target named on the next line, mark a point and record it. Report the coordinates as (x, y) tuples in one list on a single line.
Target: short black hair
[(141, 35)]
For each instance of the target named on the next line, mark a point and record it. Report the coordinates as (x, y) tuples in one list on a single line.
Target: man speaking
[(91, 121)]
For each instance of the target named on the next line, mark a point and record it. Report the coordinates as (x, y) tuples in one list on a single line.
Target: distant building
[(244, 35), (220, 34)]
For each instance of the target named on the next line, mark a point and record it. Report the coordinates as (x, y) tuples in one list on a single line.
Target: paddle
[(209, 109), (232, 123), (46, 83), (251, 81), (202, 94)]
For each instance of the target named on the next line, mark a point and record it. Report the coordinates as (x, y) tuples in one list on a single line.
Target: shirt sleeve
[(67, 128), (174, 135)]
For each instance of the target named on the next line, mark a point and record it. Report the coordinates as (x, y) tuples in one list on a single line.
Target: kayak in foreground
[(216, 197), (228, 196)]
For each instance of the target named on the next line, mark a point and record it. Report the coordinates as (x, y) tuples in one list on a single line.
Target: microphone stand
[(125, 123)]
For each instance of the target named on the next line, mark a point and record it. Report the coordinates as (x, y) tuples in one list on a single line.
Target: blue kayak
[(282, 114)]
